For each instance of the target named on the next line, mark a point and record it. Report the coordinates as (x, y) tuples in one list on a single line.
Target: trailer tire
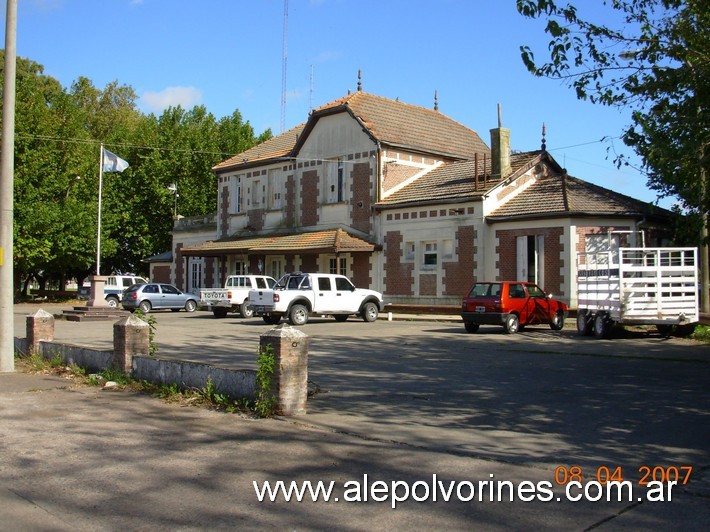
[(602, 325), (585, 323)]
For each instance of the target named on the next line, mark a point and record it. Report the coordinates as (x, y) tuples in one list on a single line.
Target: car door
[(539, 304), (345, 293), (326, 296), (170, 297), (518, 301)]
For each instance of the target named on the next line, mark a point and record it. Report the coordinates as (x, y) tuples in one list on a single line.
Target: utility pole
[(7, 169)]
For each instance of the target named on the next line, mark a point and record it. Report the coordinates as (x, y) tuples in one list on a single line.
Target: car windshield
[(485, 290)]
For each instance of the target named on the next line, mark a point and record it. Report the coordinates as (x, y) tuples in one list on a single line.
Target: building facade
[(404, 200)]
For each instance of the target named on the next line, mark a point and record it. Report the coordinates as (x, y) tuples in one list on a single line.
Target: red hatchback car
[(512, 304)]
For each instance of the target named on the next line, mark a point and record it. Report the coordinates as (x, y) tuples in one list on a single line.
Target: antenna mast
[(310, 101), (283, 69)]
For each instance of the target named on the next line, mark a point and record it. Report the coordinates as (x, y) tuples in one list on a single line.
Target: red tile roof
[(391, 122), (560, 195), (332, 240), (408, 126), (279, 146), (454, 181)]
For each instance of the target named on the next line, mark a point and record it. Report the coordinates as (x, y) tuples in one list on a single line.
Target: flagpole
[(98, 232)]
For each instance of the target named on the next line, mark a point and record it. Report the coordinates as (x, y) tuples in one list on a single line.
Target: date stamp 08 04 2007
[(604, 474)]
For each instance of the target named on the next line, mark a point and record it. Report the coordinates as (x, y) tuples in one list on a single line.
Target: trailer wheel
[(602, 326), (585, 323)]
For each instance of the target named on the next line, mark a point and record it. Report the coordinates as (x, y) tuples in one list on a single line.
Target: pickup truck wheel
[(190, 305), (558, 321), (471, 327), (512, 324), (340, 317), (245, 310), (272, 319), (298, 315), (145, 306), (369, 312), (112, 301), (219, 312)]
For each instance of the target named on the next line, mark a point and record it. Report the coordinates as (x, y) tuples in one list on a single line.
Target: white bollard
[(389, 316)]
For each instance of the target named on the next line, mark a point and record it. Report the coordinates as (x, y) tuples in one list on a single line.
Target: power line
[(603, 139), (121, 144)]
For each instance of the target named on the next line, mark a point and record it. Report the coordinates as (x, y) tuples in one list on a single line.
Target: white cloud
[(187, 97), (326, 56)]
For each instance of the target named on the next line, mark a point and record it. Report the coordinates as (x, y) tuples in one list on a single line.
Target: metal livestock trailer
[(637, 286)]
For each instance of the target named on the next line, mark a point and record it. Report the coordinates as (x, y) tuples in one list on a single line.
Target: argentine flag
[(113, 163)]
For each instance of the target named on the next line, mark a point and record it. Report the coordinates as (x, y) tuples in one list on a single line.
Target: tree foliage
[(58, 134), (651, 56)]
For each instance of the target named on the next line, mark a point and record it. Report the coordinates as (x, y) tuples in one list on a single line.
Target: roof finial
[(436, 100), (544, 143), (359, 80)]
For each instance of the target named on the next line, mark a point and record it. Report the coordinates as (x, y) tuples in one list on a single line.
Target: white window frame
[(338, 265), (274, 266), (334, 181), (276, 188), (430, 249), (196, 268)]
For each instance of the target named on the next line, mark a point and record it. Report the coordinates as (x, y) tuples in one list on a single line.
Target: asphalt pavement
[(400, 401)]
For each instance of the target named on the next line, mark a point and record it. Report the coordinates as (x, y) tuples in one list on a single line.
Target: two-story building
[(401, 199)]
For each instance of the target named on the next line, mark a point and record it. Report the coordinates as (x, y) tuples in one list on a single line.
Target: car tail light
[(229, 294), (276, 298), (134, 296)]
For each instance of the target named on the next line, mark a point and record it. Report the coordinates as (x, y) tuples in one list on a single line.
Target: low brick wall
[(235, 383)]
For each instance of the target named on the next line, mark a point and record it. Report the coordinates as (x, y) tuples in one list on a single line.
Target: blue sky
[(227, 55)]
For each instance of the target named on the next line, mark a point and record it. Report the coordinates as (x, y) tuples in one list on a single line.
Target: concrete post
[(97, 298), (39, 328), (131, 336), (290, 381)]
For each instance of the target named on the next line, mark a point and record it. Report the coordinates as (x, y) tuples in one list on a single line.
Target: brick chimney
[(500, 150)]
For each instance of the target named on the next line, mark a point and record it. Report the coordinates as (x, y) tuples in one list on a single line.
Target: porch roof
[(327, 241)]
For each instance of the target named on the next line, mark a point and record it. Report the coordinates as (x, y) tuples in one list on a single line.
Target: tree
[(58, 133), (656, 62)]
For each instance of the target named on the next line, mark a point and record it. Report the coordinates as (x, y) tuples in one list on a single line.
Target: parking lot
[(540, 396), (393, 399)]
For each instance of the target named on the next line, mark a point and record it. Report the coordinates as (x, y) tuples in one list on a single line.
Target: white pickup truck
[(234, 297), (300, 295)]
